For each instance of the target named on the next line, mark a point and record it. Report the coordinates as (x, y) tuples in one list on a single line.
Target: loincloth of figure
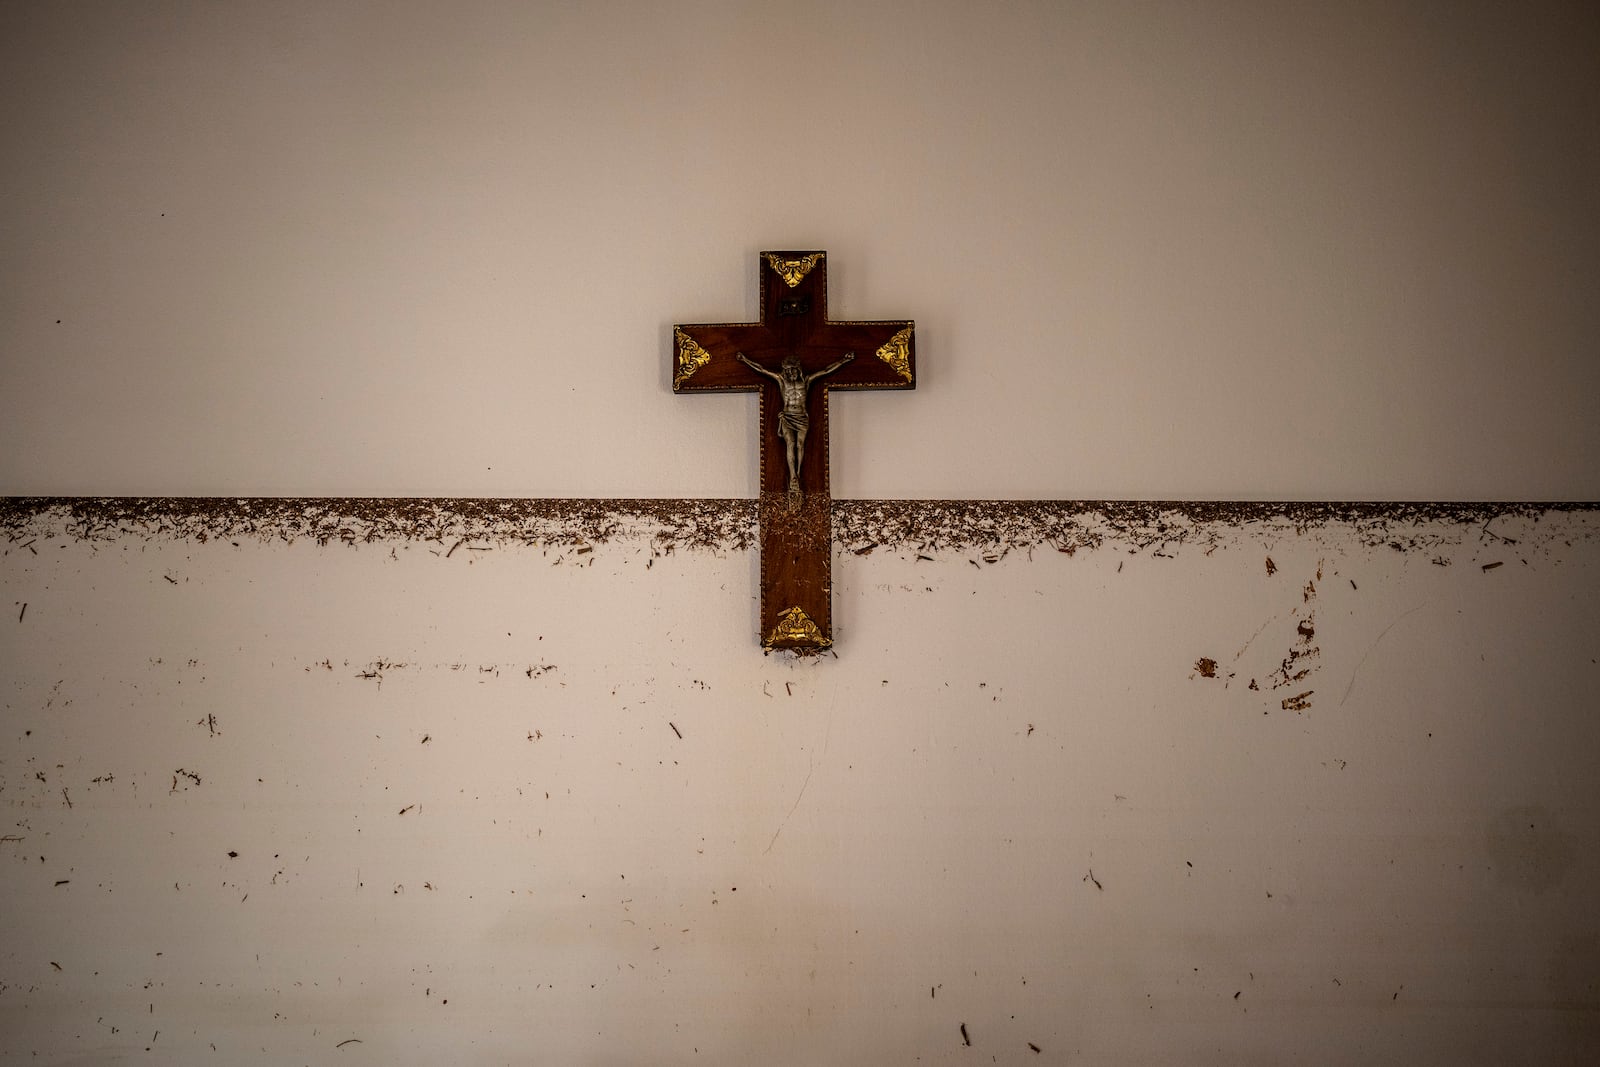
[(793, 423)]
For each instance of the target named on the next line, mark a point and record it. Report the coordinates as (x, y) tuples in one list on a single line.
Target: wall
[(495, 781), (512, 782), (1264, 251)]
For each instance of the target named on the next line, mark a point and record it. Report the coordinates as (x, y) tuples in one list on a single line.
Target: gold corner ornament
[(796, 628), (792, 270), (691, 357), (897, 353)]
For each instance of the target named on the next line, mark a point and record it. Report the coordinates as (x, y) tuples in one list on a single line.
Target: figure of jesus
[(793, 421)]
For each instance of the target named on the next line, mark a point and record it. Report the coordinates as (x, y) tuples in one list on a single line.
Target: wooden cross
[(794, 356)]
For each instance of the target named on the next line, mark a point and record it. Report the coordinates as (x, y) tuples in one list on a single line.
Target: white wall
[(557, 786), (1167, 251), (1254, 251)]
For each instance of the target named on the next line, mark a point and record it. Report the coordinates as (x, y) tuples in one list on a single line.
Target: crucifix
[(794, 356)]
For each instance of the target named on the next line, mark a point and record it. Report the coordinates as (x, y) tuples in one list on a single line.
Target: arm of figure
[(758, 368), (825, 371)]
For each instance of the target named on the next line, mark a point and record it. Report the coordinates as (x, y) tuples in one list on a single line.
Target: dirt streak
[(991, 527)]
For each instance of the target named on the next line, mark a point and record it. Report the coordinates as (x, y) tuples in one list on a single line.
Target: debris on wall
[(386, 778), (994, 528)]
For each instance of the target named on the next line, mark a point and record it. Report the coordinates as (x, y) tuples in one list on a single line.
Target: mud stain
[(450, 523), (990, 528), (1300, 662)]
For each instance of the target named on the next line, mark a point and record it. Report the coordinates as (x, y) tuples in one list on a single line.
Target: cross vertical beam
[(794, 356)]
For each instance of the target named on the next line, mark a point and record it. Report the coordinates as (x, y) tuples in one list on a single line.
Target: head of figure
[(792, 370)]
